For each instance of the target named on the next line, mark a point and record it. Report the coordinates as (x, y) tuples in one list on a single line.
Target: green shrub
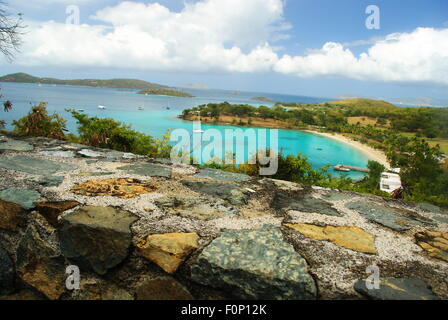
[(39, 123)]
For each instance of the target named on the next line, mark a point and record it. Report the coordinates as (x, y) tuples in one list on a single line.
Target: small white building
[(390, 180)]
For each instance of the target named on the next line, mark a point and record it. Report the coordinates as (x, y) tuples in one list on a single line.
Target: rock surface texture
[(148, 229)]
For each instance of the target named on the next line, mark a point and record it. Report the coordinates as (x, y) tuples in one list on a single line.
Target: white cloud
[(418, 56), (227, 36)]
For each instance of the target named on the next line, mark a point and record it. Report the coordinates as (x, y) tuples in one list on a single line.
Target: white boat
[(101, 107), (141, 108), (198, 131)]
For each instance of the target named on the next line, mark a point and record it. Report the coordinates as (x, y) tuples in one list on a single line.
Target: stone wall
[(140, 228)]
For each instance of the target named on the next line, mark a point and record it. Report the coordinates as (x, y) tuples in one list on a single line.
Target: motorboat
[(101, 107)]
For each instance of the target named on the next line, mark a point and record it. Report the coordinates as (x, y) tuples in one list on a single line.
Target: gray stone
[(230, 192), (304, 203), (163, 161), (147, 169), (254, 264), (195, 207), (394, 218), (15, 145), (432, 208), (97, 289), (221, 175), (90, 153), (337, 196), (58, 154), (22, 197), (47, 181), (397, 289), (7, 273), (97, 238), (35, 165), (281, 184)]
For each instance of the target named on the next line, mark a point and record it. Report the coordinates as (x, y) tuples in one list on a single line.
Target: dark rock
[(230, 192), (96, 238), (147, 169), (52, 210), (195, 207), (304, 203), (35, 165), (162, 288), (12, 216), (40, 264), (22, 197), (100, 290), (24, 295), (254, 264), (7, 273), (220, 175), (394, 218), (397, 289)]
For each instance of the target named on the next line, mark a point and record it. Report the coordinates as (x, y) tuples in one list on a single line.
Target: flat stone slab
[(35, 165), (15, 145), (195, 207), (22, 197), (97, 238), (58, 154), (304, 203), (230, 192), (48, 181), (147, 169), (90, 153), (162, 288), (434, 243), (254, 264), (397, 289), (220, 175), (394, 218)]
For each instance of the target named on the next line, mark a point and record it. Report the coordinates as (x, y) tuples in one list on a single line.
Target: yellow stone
[(350, 237), (168, 250), (434, 243), (122, 188)]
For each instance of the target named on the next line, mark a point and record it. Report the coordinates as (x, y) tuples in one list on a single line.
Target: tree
[(11, 30)]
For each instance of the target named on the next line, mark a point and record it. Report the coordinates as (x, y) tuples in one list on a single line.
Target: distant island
[(166, 92), (113, 83), (265, 99)]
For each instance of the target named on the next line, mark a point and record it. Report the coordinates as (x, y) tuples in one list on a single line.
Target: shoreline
[(372, 154)]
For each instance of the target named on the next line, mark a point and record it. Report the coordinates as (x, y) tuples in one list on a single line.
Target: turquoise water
[(155, 119)]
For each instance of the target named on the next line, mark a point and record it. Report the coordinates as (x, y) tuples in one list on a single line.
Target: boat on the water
[(140, 108), (81, 110), (198, 131), (340, 167), (101, 107)]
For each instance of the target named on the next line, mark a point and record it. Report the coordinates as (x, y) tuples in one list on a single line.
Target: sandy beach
[(372, 154)]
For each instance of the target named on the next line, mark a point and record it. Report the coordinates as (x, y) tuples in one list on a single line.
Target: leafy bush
[(39, 123), (108, 133)]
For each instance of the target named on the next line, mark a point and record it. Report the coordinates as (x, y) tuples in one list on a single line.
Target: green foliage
[(39, 123), (108, 133)]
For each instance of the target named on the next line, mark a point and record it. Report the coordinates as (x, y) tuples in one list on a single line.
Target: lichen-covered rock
[(195, 207), (254, 264), (162, 288), (96, 238), (124, 188), (394, 218), (220, 175), (168, 250), (35, 165), (22, 197), (40, 264), (148, 169), (230, 192), (397, 289), (281, 184), (304, 203), (52, 210), (349, 237), (15, 145), (434, 243), (47, 181), (12, 216), (7, 273)]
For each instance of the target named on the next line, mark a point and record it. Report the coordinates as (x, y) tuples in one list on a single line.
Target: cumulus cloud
[(227, 36), (418, 56)]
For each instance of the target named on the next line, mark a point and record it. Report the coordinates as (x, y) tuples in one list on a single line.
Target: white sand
[(372, 154)]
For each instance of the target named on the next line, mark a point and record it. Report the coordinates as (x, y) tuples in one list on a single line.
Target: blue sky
[(304, 47)]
